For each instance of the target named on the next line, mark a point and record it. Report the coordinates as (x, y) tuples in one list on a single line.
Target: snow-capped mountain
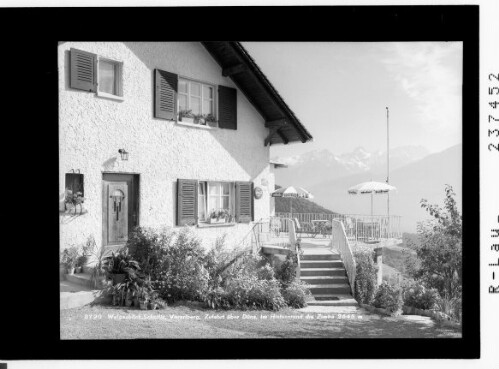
[(322, 165), (425, 178)]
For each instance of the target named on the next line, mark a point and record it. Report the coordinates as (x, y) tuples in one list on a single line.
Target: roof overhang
[(277, 164), (236, 63)]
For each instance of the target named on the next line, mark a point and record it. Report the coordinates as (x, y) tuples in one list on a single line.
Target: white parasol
[(292, 192), (371, 187)]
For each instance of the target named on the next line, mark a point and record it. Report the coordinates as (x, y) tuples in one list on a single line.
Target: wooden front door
[(119, 207)]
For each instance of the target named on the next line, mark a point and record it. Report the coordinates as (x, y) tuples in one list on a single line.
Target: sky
[(340, 91)]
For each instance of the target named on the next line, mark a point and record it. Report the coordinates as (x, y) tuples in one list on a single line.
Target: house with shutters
[(163, 134)]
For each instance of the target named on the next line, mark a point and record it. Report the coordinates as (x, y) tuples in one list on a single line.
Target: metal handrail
[(339, 241)]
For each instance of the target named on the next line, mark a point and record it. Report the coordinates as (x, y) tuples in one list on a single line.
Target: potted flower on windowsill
[(199, 119), (185, 116), (210, 120), (219, 216), (72, 201)]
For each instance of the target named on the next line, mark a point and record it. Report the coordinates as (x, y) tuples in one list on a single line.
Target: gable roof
[(237, 64)]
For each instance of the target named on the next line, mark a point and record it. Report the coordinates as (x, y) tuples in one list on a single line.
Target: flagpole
[(388, 166)]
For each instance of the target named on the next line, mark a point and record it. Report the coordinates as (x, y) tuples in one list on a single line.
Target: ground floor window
[(213, 202), (215, 199)]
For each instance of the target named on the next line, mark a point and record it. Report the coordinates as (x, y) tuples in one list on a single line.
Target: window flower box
[(72, 209), (216, 221), (219, 216), (73, 203), (187, 120)]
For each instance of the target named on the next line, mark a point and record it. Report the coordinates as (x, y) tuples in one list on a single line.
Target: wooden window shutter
[(82, 70), (244, 202), (187, 202), (165, 94), (227, 107)]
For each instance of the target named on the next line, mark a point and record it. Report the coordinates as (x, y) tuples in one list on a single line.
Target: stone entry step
[(323, 271), (74, 295), (325, 279), (82, 279), (329, 289), (321, 264), (306, 256), (333, 300)]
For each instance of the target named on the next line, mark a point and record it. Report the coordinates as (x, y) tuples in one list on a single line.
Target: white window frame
[(119, 79), (202, 98), (206, 197)]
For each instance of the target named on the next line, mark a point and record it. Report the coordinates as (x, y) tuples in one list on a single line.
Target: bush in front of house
[(285, 272), (296, 294), (365, 276), (418, 296), (249, 292), (173, 260), (388, 297), (181, 274), (149, 248), (223, 278)]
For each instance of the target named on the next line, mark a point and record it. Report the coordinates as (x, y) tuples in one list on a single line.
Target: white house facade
[(164, 134)]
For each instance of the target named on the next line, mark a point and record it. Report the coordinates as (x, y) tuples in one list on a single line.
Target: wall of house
[(92, 129)]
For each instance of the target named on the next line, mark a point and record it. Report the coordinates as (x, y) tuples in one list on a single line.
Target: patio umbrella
[(292, 192), (371, 188)]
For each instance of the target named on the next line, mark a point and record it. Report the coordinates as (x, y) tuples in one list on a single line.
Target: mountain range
[(415, 173), (304, 168)]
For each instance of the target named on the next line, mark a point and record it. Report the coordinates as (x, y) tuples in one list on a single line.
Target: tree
[(440, 251)]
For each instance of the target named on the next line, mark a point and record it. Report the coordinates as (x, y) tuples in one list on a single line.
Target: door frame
[(133, 181)]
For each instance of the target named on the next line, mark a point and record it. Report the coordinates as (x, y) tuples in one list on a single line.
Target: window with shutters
[(94, 73), (207, 202), (196, 102), (215, 198)]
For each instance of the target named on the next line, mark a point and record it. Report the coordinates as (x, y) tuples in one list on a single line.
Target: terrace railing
[(364, 228)]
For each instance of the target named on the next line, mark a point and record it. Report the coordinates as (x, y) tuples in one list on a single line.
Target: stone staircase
[(323, 270)]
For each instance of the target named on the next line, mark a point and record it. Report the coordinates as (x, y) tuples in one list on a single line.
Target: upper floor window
[(196, 101), (93, 73), (110, 77), (181, 99)]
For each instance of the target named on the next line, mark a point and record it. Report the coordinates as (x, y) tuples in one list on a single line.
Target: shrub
[(180, 274), (217, 298), (365, 276), (440, 251), (249, 292), (149, 247), (220, 263), (420, 297), (266, 272), (451, 307), (286, 271), (296, 294), (388, 297)]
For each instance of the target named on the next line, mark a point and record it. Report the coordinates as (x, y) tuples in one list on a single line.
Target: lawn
[(193, 321)]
